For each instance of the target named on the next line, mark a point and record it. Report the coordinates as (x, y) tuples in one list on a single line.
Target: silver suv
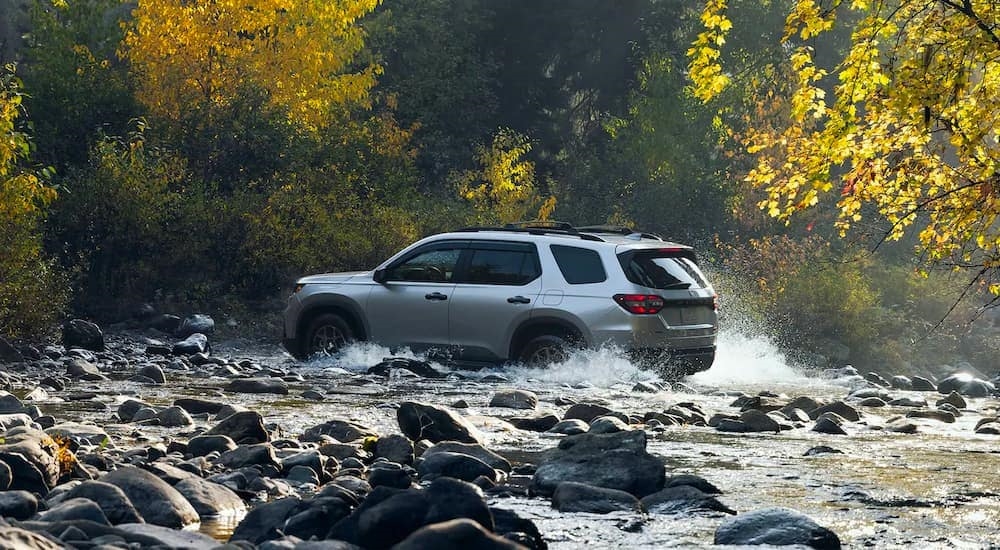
[(525, 293)]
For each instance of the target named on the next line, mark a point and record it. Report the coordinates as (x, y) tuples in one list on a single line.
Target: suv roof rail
[(619, 230), (559, 228), (541, 224)]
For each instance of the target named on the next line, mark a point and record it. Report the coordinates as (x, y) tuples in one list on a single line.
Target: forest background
[(202, 155)]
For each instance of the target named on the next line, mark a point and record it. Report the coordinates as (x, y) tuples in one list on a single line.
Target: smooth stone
[(156, 501), (682, 498), (692, 480), (198, 406), (931, 414), (88, 433), (258, 454), (571, 496), (154, 373), (242, 427), (395, 448), (174, 417), (607, 425), (840, 408), (922, 384), (953, 399), (758, 421), (113, 502), (6, 476), (78, 333), (75, 509), (455, 465), (493, 460), (194, 324), (258, 385), (313, 523), (208, 498), (573, 426), (908, 402), (15, 538), (901, 382), (587, 412), (165, 537), (614, 461), (514, 399), (777, 527), (535, 423), (83, 370), (128, 408), (195, 343), (405, 365), (343, 431), (265, 521), (17, 504), (826, 425), (423, 421), (456, 534)]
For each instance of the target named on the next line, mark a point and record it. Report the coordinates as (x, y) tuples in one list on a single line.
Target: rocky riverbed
[(152, 438)]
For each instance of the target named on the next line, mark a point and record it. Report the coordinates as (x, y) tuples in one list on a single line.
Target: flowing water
[(935, 488)]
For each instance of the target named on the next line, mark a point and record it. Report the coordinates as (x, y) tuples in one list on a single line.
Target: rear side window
[(663, 270), (579, 266), (502, 267)]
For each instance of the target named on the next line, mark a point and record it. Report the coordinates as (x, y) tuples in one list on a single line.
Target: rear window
[(663, 271), (579, 266)]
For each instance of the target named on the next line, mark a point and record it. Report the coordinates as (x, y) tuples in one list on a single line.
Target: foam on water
[(748, 359), (603, 368)]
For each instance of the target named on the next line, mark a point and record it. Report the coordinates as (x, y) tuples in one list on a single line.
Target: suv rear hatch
[(672, 272)]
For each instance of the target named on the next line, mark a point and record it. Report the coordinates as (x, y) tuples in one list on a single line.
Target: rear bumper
[(674, 362), (292, 345)]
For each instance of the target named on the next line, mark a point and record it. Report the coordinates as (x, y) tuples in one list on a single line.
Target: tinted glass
[(579, 266), (656, 270), (502, 267), (434, 266)]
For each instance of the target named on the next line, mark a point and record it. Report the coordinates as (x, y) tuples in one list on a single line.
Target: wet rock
[(127, 410), (37, 394), (422, 421), (258, 385), (8, 353), (456, 534), (535, 423), (314, 522), (697, 482), (477, 451), (113, 502), (5, 476), (614, 461), (155, 536), (840, 408), (587, 412), (931, 414), (389, 474), (80, 432), (31, 456), (415, 366), (174, 417), (922, 384), (15, 538), (195, 343), (573, 426), (265, 521), (511, 526), (731, 425), (260, 454), (822, 450), (155, 500), (242, 427), (10, 404), (967, 385), (872, 402), (877, 379), (901, 382), (154, 373), (777, 527), (313, 395), (758, 421), (455, 465), (78, 333), (198, 406), (82, 369), (988, 426), (17, 504), (948, 407), (953, 399), (514, 399), (908, 402), (194, 324), (343, 431), (571, 496), (827, 425), (683, 498), (208, 498), (901, 426), (75, 509), (607, 425), (805, 403), (645, 387), (302, 474)]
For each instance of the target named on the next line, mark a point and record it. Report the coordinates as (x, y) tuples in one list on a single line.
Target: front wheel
[(545, 350), (326, 335)]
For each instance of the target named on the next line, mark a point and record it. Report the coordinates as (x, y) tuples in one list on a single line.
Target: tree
[(302, 52), (901, 127)]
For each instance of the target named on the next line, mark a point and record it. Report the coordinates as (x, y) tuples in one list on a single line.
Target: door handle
[(518, 300), (435, 296)]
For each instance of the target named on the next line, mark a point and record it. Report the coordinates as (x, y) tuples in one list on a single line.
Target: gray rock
[(922, 384), (535, 423), (607, 425), (75, 509), (302, 474), (19, 505), (840, 408), (265, 521), (966, 385), (6, 476), (260, 454), (422, 421), (514, 399), (112, 501), (208, 498), (15, 538), (908, 402), (77, 431), (194, 324), (683, 498), (953, 399), (154, 373), (128, 408), (931, 414), (614, 461), (573, 426), (571, 496), (645, 387), (777, 527), (78, 333), (242, 427), (198, 406), (692, 480), (901, 383), (156, 501), (83, 370), (731, 425), (901, 426), (258, 385), (395, 448), (174, 417), (195, 343), (456, 534), (455, 465), (343, 431), (31, 456), (587, 412), (10, 404), (490, 458), (826, 425), (759, 421), (163, 537)]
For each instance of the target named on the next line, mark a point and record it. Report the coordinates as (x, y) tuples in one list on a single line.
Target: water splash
[(604, 367), (748, 359)]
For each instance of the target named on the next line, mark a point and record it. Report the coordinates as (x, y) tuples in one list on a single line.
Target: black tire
[(327, 334), (544, 350)]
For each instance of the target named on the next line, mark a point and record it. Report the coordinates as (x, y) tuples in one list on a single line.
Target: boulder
[(17, 504), (153, 372), (587, 412), (258, 385), (15, 538), (607, 425), (265, 521), (192, 324), (155, 536), (242, 427), (967, 385), (542, 423), (395, 448), (343, 431), (492, 459), (259, 454), (174, 417), (82, 369), (683, 498), (157, 502), (776, 527), (514, 399), (422, 421), (455, 465), (78, 333), (32, 458), (922, 384), (113, 502), (195, 343), (840, 408), (614, 461), (572, 426), (75, 509), (758, 421), (456, 534), (571, 496), (198, 406), (208, 498)]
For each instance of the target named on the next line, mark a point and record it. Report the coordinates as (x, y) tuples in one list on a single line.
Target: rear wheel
[(545, 350), (327, 334)]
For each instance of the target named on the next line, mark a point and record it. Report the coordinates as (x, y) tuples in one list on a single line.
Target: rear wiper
[(676, 286)]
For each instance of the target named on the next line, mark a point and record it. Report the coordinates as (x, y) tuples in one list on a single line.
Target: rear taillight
[(640, 304), (715, 302)]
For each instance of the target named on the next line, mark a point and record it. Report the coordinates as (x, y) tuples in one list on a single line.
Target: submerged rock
[(514, 399), (614, 461), (683, 498), (571, 496), (776, 527)]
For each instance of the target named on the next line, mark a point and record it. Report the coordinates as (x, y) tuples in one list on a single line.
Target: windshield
[(663, 270)]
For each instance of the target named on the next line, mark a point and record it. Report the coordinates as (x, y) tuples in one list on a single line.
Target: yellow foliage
[(909, 131), (302, 52)]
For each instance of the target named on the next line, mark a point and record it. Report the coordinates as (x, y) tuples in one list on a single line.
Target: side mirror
[(379, 276)]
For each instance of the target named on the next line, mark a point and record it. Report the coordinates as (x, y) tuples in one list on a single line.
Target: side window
[(579, 266), (433, 266), (502, 267)]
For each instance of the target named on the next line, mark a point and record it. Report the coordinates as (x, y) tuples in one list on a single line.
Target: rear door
[(497, 286), (689, 300)]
